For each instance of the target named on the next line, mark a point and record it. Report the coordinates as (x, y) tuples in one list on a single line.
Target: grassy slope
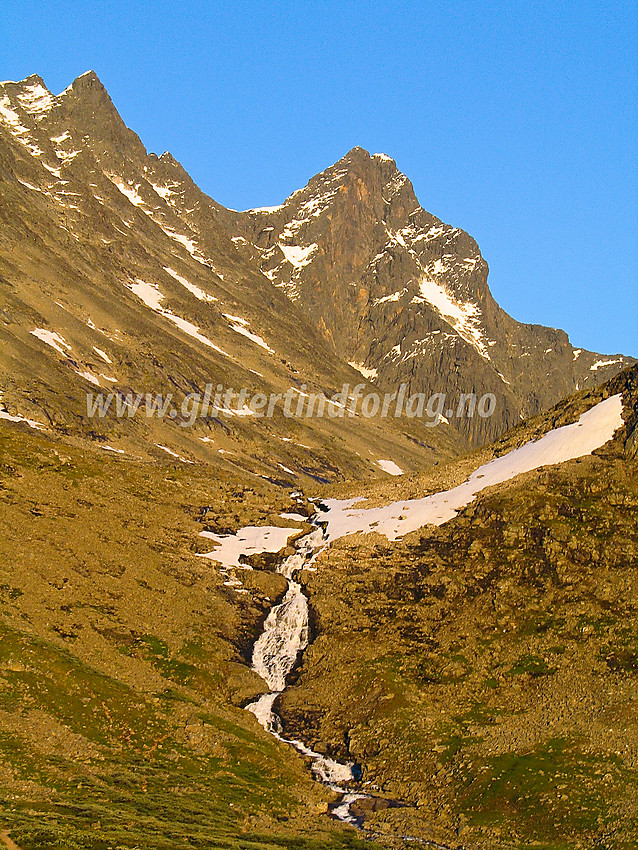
[(122, 662), (484, 672)]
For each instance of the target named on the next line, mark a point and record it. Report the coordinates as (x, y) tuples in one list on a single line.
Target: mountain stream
[(285, 635)]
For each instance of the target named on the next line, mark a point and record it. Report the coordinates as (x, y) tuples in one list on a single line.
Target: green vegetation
[(121, 667)]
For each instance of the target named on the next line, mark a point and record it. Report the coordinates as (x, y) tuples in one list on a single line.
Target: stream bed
[(284, 637)]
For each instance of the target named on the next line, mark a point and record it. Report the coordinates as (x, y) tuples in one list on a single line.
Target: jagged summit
[(404, 296), (82, 83), (85, 83), (32, 79), (350, 277)]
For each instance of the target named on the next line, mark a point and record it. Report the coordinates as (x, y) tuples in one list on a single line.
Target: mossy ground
[(484, 672), (122, 663)]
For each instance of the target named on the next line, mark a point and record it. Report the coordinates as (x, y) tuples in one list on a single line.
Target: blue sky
[(516, 121)]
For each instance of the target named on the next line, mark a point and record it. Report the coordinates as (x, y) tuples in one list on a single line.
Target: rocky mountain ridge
[(118, 274), (404, 297)]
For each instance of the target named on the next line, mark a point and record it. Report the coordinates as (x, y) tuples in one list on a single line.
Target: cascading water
[(275, 653), (285, 632)]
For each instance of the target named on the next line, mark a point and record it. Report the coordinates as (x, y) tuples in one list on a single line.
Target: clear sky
[(516, 121)]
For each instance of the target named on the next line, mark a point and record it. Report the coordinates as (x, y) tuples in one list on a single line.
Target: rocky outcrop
[(404, 296)]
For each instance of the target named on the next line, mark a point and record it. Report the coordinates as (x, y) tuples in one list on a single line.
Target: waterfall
[(275, 653)]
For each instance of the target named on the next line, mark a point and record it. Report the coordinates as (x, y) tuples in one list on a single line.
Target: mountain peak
[(358, 154), (31, 80), (87, 81)]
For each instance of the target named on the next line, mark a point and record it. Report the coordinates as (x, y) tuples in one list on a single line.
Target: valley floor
[(481, 675)]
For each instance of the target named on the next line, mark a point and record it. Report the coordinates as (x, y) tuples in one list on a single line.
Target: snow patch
[(4, 414), (165, 192), (463, 316), (592, 430), (128, 191), (265, 209), (367, 372), (395, 296), (390, 467), (194, 290), (102, 354), (88, 376), (10, 116), (298, 256), (150, 295), (599, 364), (55, 340), (239, 325), (173, 454), (250, 540)]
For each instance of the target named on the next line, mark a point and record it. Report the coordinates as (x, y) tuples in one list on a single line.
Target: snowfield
[(593, 429), (250, 540), (340, 516)]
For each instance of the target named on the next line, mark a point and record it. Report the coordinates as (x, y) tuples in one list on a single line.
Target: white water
[(275, 653), (285, 632)]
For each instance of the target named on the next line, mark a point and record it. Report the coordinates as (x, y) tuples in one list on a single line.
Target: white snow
[(194, 290), (112, 449), (88, 376), (577, 353), (249, 540), (10, 116), (367, 372), (28, 185), (239, 325), (243, 411), (172, 453), (265, 209), (298, 256), (127, 190), (395, 296), (593, 429), (193, 330), (19, 131), (52, 338), (187, 243), (66, 156), (164, 192), (433, 232), (463, 316), (102, 354), (18, 418), (390, 467), (150, 295), (600, 363), (383, 157)]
